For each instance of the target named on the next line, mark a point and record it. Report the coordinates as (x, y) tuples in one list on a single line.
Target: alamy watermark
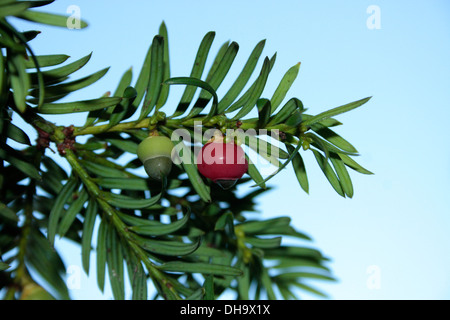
[(73, 280), (74, 20), (373, 281), (373, 22)]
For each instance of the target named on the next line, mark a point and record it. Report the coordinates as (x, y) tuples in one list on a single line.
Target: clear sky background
[(395, 230)]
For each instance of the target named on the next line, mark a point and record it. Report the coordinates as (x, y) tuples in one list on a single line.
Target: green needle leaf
[(294, 252), (209, 287), (335, 111), (256, 226), (197, 295), (3, 85), (353, 164), (122, 110), (104, 170), (48, 18), (264, 108), (263, 243), (310, 275), (166, 247), (265, 149), (216, 75), (114, 257), (133, 220), (59, 74), (78, 106), (123, 183), (156, 76), (333, 138), (284, 86), (294, 119), (266, 282), (291, 156), (310, 289), (158, 228), (124, 145), (142, 81), (299, 169), (197, 182), (20, 80), (190, 168), (249, 99), (225, 220), (70, 215), (328, 122), (101, 253), (58, 208), (47, 60), (54, 168), (127, 202), (205, 251), (4, 266), (138, 281), (199, 267), (7, 213), (14, 8), (244, 284), (22, 37), (197, 83), (43, 258), (289, 262), (242, 79), (88, 230), (124, 82), (197, 71), (286, 111), (254, 173), (56, 92), (319, 143), (325, 146), (342, 173), (328, 172), (15, 159), (164, 94), (15, 133)]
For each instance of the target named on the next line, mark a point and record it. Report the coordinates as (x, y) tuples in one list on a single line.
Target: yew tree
[(163, 220)]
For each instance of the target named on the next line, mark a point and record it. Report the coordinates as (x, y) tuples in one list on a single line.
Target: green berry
[(155, 153)]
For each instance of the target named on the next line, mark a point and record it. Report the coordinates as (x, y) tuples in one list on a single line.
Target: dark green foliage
[(183, 235)]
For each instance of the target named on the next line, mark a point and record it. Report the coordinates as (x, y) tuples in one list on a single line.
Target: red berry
[(223, 163)]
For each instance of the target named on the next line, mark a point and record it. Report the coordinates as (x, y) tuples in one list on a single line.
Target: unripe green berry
[(155, 153), (158, 167)]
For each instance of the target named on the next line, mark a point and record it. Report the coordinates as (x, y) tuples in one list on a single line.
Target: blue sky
[(398, 220)]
